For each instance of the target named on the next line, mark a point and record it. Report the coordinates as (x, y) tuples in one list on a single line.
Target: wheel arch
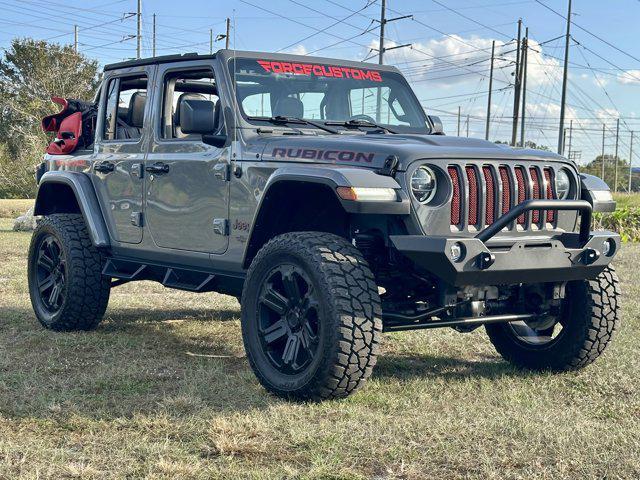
[(304, 198), (279, 212), (72, 192)]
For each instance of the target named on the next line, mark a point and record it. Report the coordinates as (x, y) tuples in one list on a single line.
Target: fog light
[(456, 252), (608, 247)]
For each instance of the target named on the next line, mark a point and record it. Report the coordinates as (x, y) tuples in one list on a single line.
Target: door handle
[(158, 168), (104, 167)]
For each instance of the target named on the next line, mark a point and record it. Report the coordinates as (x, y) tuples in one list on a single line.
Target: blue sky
[(604, 82)]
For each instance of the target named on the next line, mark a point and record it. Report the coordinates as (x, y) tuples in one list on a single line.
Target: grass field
[(162, 390), (627, 200)]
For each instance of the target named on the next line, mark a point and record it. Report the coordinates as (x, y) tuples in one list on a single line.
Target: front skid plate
[(527, 260)]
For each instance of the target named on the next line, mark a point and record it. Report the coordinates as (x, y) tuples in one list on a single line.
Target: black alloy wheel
[(288, 319), (50, 273)]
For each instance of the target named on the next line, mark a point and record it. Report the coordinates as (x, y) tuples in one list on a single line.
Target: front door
[(121, 144), (187, 189)]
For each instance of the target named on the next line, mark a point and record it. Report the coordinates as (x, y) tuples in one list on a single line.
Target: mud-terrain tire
[(343, 326), (590, 317), (62, 256)]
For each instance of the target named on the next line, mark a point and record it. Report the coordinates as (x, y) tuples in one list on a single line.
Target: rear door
[(187, 187), (121, 144)]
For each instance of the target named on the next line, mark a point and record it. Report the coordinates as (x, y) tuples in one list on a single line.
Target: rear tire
[(311, 316), (66, 285), (589, 319)]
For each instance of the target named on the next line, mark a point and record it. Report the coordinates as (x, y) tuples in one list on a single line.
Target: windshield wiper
[(282, 119), (357, 123)]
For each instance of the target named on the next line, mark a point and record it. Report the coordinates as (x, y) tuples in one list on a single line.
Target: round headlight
[(423, 184), (563, 184)]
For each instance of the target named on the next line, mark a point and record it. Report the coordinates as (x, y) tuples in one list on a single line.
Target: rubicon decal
[(312, 69), (328, 155)]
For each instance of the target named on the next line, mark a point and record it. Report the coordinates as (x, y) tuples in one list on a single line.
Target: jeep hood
[(371, 150)]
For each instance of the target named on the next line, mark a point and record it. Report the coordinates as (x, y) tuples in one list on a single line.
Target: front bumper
[(490, 260)]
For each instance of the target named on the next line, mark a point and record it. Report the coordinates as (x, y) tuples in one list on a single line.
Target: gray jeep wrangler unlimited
[(318, 193)]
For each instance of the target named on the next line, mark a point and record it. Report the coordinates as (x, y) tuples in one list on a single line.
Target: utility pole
[(458, 121), (565, 75), (615, 181), (525, 58), (382, 49), (516, 92), (467, 125), (615, 177), (630, 161), (570, 138), (210, 41), (383, 22), (139, 36), (153, 49), (493, 55), (226, 38), (75, 38), (603, 140)]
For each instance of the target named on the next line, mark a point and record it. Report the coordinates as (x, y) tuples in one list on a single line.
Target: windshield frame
[(254, 121)]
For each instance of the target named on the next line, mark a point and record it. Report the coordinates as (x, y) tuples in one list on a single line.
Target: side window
[(124, 111), (257, 105), (364, 101), (191, 105), (312, 103)]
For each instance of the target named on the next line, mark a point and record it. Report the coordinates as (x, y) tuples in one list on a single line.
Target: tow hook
[(590, 255), (485, 260)]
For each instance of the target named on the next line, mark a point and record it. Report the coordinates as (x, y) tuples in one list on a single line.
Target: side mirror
[(436, 124), (218, 141)]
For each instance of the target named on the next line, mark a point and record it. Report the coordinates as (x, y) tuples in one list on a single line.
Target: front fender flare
[(85, 195), (335, 177), (597, 193), (330, 177)]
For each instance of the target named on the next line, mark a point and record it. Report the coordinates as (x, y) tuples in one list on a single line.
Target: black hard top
[(226, 54), (161, 59)]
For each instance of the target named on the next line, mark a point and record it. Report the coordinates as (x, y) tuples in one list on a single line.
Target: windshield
[(326, 94)]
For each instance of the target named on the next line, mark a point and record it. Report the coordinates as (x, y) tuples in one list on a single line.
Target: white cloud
[(297, 50), (629, 77), (607, 113), (454, 60)]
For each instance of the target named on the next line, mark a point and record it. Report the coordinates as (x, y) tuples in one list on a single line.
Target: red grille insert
[(506, 189), (491, 191), (473, 195), (455, 201), (548, 176), (535, 178), (522, 191)]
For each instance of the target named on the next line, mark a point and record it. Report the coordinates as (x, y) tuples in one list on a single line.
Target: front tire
[(66, 285), (589, 318), (311, 316)]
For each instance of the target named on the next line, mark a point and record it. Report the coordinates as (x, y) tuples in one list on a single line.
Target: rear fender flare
[(85, 196)]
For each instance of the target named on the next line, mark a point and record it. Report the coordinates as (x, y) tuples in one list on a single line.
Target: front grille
[(483, 192)]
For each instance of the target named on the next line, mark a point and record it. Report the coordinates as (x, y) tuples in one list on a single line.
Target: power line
[(588, 32)]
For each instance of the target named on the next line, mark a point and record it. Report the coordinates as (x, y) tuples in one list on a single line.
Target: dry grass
[(10, 208), (162, 390)]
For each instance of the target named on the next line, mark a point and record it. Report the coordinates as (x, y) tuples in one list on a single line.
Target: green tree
[(31, 72), (595, 168)]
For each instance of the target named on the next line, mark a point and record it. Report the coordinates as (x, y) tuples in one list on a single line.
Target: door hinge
[(222, 171), (221, 226), (136, 219)]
